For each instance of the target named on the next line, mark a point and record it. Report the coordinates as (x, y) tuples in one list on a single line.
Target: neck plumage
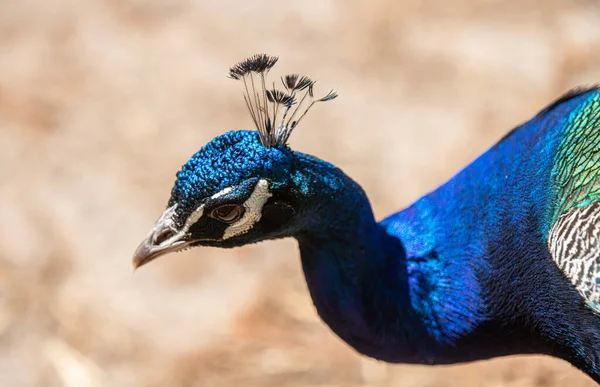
[(356, 272)]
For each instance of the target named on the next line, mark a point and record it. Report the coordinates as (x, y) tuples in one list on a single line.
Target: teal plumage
[(502, 259), (576, 168)]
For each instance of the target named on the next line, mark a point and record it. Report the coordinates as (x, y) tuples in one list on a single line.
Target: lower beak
[(162, 239)]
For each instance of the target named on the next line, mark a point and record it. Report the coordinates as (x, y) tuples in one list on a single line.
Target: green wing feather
[(576, 170)]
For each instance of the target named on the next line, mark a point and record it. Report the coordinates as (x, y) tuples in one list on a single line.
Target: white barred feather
[(574, 243)]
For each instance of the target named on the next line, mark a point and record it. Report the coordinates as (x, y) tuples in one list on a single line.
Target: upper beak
[(163, 238)]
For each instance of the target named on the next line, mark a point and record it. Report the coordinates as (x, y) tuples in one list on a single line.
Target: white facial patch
[(253, 213), (194, 216), (224, 191)]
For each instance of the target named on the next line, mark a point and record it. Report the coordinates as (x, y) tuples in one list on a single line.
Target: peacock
[(502, 259)]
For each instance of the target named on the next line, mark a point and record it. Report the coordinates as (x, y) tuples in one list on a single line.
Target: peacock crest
[(275, 112)]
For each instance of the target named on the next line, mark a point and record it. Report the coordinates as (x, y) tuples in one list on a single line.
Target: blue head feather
[(226, 161)]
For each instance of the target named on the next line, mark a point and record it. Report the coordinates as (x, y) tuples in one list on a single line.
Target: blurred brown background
[(101, 101)]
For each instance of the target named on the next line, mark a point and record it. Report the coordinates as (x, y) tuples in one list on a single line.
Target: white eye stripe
[(198, 212), (224, 191), (193, 218), (253, 205), (253, 213)]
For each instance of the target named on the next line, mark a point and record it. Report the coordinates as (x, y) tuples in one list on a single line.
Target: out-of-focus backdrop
[(101, 101)]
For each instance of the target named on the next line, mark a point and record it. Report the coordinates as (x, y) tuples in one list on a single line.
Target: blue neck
[(355, 270)]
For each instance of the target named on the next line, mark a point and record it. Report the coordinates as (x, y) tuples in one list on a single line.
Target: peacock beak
[(162, 239)]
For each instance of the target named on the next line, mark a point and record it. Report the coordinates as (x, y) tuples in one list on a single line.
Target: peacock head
[(239, 188)]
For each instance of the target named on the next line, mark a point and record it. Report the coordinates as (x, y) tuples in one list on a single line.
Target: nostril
[(163, 236)]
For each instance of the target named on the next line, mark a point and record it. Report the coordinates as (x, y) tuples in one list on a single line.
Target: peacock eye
[(228, 213)]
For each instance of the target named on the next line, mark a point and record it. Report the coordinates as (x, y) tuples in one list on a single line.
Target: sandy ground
[(101, 101)]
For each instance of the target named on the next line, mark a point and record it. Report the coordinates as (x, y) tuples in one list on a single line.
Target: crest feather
[(274, 111)]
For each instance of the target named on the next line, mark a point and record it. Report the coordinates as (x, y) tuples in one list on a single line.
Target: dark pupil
[(227, 213)]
